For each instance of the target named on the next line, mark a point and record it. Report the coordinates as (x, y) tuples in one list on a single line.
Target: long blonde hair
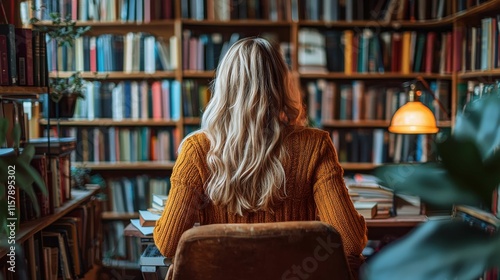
[(253, 98)]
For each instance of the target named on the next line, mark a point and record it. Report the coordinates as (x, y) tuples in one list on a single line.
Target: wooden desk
[(377, 228), (394, 226)]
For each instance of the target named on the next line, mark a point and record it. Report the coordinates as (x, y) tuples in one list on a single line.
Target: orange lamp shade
[(413, 118)]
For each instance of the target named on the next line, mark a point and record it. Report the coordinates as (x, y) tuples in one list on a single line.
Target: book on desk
[(153, 264)]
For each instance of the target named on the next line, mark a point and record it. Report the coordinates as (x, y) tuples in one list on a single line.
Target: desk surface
[(388, 223), (398, 221)]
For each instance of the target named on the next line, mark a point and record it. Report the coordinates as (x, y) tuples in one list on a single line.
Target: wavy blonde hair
[(254, 97)]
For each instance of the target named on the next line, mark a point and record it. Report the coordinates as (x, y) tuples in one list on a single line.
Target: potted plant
[(64, 91), (468, 174), (16, 174)]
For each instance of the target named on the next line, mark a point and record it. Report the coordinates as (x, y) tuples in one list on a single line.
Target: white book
[(149, 54), (135, 100), (174, 55), (128, 52)]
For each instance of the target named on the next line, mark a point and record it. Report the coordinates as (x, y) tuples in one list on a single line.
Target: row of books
[(114, 144), (100, 11), (478, 47), (371, 51), (129, 195), (119, 250), (274, 10), (329, 100), (136, 100), (335, 10), (22, 57), (203, 51), (132, 52), (66, 249), (373, 200), (54, 167), (473, 90), (378, 146)]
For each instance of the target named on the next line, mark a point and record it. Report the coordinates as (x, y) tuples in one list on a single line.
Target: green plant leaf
[(25, 169), (3, 216), (3, 130), (480, 122), (467, 167), (16, 134), (436, 250), (429, 181), (27, 154)]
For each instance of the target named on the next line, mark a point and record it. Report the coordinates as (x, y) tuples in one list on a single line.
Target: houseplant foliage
[(468, 173), (64, 32), (25, 175)]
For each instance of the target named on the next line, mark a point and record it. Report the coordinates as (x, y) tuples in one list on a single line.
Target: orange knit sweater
[(314, 187)]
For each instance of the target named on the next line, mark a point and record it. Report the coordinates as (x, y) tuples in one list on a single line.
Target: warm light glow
[(413, 118)]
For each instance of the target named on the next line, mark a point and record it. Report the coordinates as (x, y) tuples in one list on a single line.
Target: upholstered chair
[(283, 250)]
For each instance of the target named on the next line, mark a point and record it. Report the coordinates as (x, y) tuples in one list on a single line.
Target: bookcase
[(352, 58)]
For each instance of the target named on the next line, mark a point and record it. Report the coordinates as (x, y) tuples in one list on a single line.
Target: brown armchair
[(282, 250)]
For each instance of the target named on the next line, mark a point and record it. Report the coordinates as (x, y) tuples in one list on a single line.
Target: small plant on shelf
[(64, 91)]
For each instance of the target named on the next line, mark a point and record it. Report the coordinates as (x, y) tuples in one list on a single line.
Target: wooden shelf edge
[(368, 123), (110, 215), (363, 76), (117, 23), (236, 22), (117, 75), (358, 165), (108, 122), (20, 90), (393, 24), (28, 229), (111, 166), (479, 74)]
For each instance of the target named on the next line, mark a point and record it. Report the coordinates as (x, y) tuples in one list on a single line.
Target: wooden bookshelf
[(21, 91), (198, 74), (29, 228), (123, 166), (117, 75), (374, 76), (235, 23), (369, 124), (358, 166), (390, 25), (484, 74), (118, 216), (477, 11), (108, 122), (192, 121)]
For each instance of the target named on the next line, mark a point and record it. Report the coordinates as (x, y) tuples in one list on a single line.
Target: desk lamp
[(414, 117)]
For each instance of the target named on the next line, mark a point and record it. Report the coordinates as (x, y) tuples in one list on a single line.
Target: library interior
[(111, 117)]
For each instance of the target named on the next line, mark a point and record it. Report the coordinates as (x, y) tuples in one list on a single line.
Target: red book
[(147, 11), (167, 9), (449, 53), (429, 51), (396, 53), (4, 62), (457, 49), (157, 103), (93, 54), (24, 56)]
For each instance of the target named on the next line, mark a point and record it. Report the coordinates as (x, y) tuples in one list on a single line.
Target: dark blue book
[(9, 31)]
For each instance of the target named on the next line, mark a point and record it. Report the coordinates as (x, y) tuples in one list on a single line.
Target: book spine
[(9, 31), (4, 61)]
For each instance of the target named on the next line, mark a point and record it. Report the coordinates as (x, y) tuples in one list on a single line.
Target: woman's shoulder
[(307, 132)]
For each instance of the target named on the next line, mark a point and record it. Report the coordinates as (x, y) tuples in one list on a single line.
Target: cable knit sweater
[(315, 190)]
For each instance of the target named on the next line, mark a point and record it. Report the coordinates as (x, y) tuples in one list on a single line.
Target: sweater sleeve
[(335, 206), (185, 199)]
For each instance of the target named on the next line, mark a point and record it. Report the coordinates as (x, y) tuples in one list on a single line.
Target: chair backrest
[(281, 250)]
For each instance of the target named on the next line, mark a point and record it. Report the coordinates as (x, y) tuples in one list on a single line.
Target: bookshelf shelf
[(373, 76), (477, 11), (117, 75), (198, 74), (353, 124), (192, 121), (146, 165), (485, 74), (245, 23), (394, 24), (21, 91), (119, 24), (358, 166), (110, 215), (28, 229), (108, 122)]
